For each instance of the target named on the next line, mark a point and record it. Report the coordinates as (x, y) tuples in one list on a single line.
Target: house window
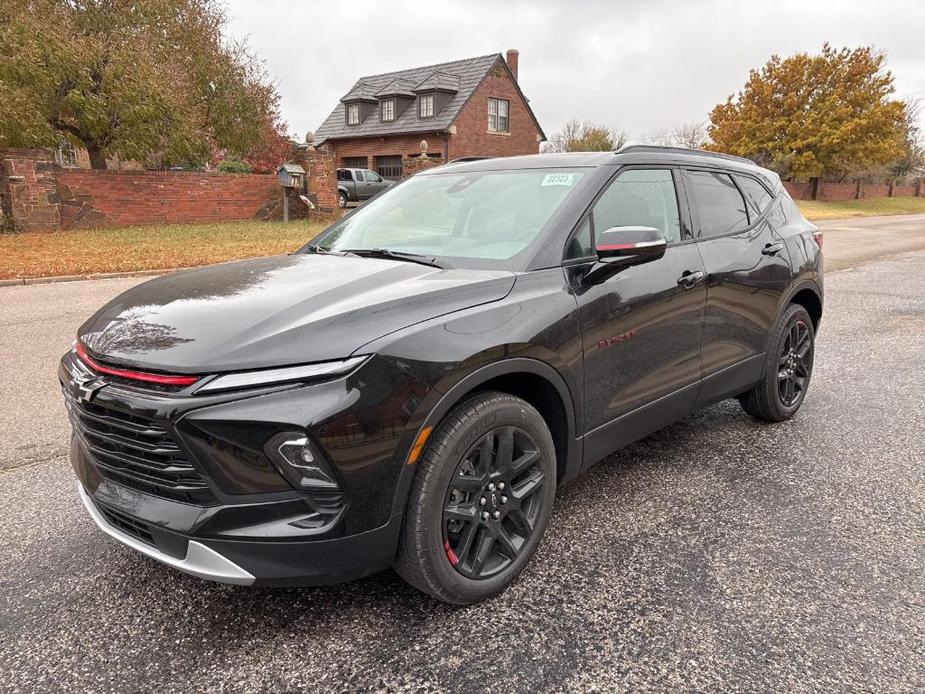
[(389, 167), (498, 120), (426, 104), (387, 110), (353, 114)]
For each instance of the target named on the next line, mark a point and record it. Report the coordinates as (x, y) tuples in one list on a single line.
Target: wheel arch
[(532, 380)]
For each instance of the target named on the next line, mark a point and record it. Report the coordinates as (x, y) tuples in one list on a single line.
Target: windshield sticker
[(558, 179)]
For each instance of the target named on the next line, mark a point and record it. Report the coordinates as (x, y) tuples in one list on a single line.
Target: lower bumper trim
[(200, 560)]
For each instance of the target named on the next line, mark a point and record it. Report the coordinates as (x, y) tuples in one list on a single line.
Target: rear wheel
[(787, 369), (480, 501), (342, 200)]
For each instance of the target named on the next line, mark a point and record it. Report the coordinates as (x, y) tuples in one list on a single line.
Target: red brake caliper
[(449, 553)]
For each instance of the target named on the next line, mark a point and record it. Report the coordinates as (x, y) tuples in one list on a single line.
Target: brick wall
[(472, 137), (92, 199), (28, 191), (36, 194), (830, 190)]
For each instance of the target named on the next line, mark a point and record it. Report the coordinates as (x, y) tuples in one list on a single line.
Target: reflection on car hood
[(279, 310)]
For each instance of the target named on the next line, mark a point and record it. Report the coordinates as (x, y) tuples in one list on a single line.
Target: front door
[(641, 327), (748, 271)]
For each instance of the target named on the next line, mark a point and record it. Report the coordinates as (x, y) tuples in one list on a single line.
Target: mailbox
[(291, 176)]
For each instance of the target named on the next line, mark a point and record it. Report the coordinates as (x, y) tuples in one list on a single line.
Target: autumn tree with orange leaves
[(827, 115)]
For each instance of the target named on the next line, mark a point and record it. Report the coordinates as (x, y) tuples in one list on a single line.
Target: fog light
[(299, 462)]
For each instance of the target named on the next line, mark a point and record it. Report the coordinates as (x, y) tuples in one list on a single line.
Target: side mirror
[(647, 243), (620, 247)]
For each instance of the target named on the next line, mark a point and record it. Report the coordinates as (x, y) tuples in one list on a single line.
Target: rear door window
[(358, 177), (756, 194), (719, 202)]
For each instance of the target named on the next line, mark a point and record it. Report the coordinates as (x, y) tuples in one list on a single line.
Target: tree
[(690, 135), (579, 136), (912, 160), (814, 115), (149, 80)]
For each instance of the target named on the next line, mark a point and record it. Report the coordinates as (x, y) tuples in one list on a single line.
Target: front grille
[(136, 452), (127, 524)]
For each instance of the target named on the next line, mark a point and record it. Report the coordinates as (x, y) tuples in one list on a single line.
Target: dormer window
[(426, 106), (387, 110), (353, 114)]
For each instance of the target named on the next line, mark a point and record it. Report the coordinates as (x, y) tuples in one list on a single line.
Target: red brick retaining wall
[(126, 198), (38, 195)]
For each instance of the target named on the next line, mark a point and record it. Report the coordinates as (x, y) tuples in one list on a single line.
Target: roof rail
[(682, 150), (463, 159)]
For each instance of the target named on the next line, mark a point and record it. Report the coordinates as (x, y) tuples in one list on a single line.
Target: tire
[(462, 464), (770, 400), (341, 200)]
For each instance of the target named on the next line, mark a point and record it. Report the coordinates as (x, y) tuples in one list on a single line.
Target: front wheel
[(480, 501), (787, 369)]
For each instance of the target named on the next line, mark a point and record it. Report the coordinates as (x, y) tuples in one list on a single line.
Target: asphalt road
[(718, 554)]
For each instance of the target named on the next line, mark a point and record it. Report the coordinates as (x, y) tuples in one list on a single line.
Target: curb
[(92, 276)]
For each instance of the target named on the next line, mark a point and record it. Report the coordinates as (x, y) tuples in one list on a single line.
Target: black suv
[(410, 387)]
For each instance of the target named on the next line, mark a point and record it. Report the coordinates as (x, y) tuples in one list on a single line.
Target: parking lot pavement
[(717, 554), (852, 241)]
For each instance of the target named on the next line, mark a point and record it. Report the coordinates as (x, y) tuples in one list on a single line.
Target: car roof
[(631, 154)]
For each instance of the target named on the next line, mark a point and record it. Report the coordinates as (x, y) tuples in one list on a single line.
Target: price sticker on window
[(558, 179)]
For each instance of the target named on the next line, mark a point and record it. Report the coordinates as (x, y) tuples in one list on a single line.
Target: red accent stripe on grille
[(135, 375)]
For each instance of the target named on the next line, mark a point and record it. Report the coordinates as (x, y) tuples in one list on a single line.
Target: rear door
[(748, 271), (641, 327)]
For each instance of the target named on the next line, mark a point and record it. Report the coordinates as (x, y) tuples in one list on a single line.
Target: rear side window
[(640, 197), (756, 195), (343, 175), (358, 176), (721, 207)]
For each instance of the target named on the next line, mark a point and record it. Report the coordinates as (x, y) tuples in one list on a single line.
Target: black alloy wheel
[(787, 368), (794, 364), (481, 498), (491, 506)]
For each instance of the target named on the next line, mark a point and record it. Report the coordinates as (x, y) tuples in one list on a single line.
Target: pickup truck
[(354, 185)]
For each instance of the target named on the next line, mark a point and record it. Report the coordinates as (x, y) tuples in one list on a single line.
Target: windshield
[(482, 216)]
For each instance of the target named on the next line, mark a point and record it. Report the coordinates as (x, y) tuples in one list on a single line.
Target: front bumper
[(258, 562), (199, 561), (198, 496)]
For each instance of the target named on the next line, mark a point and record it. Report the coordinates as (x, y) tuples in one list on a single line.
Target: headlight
[(306, 372)]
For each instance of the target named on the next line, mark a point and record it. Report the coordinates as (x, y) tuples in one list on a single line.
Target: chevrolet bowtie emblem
[(88, 388)]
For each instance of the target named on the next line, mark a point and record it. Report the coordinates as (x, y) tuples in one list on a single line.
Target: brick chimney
[(511, 58)]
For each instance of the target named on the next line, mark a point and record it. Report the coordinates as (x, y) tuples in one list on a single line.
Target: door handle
[(772, 248), (688, 279)]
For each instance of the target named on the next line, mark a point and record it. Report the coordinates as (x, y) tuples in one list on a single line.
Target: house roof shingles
[(469, 73)]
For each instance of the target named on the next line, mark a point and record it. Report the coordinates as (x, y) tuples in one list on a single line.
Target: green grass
[(825, 209), (131, 249)]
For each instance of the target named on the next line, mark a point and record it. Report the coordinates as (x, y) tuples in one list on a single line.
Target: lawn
[(825, 209), (146, 248)]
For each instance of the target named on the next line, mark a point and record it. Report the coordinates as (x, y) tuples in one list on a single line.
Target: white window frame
[(387, 110), (353, 114), (426, 106), (499, 115)]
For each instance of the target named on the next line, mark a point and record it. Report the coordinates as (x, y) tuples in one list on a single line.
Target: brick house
[(470, 107)]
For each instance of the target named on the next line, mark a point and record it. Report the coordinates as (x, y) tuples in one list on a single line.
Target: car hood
[(279, 310)]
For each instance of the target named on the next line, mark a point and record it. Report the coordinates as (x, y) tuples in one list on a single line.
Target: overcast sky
[(640, 67)]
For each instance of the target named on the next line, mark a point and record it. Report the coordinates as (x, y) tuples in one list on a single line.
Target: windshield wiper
[(397, 255), (315, 248)]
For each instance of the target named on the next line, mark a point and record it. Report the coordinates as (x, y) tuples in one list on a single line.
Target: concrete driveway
[(718, 554)]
